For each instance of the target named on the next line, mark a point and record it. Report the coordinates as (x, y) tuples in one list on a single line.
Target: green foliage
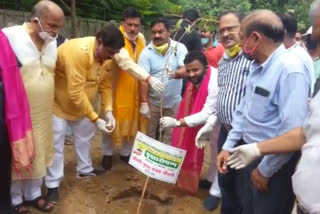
[(213, 8), (209, 9)]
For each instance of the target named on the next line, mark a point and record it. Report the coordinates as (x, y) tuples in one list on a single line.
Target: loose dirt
[(118, 191)]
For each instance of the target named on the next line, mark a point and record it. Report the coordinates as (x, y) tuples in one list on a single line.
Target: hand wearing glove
[(102, 126), (144, 110), (111, 122), (170, 73), (243, 155), (169, 122), (156, 84), (202, 133)]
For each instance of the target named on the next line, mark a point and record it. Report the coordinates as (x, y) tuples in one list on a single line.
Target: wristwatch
[(178, 123)]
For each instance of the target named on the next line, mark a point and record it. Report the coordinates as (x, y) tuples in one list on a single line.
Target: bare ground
[(118, 191)]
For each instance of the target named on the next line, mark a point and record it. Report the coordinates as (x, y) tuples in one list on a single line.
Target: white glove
[(202, 133), (170, 73), (168, 122), (144, 110), (102, 126), (111, 122), (243, 155), (156, 84)]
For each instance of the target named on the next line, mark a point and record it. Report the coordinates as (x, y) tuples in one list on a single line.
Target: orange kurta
[(127, 101)]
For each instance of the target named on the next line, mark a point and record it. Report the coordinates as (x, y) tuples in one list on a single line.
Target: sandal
[(45, 206), (20, 209)]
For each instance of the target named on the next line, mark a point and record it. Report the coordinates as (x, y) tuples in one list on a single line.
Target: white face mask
[(131, 38), (45, 35)]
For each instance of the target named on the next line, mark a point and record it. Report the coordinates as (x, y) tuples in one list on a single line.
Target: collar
[(294, 45), (279, 51)]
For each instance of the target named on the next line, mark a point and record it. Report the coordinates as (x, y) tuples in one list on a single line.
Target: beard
[(197, 80)]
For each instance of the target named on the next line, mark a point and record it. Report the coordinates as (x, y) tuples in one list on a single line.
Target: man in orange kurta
[(126, 96)]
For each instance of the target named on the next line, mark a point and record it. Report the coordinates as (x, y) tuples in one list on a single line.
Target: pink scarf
[(193, 101), (17, 113)]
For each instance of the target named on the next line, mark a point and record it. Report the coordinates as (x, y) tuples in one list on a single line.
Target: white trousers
[(28, 189), (213, 171), (83, 131), (107, 146)]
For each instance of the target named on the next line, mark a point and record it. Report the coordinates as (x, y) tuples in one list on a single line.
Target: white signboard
[(155, 159)]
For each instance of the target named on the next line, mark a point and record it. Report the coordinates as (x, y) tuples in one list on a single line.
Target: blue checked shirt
[(276, 101)]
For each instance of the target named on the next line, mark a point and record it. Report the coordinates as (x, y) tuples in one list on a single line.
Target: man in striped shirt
[(232, 73)]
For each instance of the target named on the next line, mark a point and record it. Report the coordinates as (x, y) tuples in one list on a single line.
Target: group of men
[(252, 85)]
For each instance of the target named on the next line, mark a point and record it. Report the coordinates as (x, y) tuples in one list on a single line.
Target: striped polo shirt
[(232, 75)]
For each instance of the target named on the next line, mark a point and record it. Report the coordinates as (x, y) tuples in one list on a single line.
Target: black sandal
[(17, 209), (46, 208)]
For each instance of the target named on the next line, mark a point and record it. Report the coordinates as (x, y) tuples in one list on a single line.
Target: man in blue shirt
[(163, 59), (276, 101)]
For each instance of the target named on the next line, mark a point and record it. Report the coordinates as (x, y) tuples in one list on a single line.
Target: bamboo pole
[(139, 210)]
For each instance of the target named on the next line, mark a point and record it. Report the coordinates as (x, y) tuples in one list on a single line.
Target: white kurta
[(305, 180), (209, 109), (38, 77), (210, 106)]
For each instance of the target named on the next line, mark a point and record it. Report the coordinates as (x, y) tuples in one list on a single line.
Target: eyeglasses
[(229, 29)]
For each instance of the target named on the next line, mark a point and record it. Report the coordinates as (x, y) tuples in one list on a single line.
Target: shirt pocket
[(259, 108)]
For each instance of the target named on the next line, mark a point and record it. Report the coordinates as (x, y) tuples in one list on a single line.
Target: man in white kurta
[(206, 114), (35, 47)]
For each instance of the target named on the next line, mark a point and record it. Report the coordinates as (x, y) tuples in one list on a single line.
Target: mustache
[(157, 39), (227, 37)]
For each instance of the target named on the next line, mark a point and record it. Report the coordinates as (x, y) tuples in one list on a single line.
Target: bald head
[(265, 22), (43, 7), (47, 16)]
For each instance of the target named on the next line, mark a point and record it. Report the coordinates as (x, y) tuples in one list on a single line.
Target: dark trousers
[(5, 176), (239, 196), (5, 160), (229, 204)]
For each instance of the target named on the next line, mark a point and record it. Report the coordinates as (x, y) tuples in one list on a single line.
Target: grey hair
[(40, 9), (315, 9)]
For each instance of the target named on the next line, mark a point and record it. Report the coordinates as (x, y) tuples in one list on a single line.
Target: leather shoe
[(125, 158), (107, 162)]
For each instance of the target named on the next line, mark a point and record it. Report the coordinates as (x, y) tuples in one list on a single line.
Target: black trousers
[(229, 204), (5, 161), (5, 176), (239, 196)]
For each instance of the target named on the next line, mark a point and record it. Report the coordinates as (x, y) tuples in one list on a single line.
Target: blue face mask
[(204, 41)]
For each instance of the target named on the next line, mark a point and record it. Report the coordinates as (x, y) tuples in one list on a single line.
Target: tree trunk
[(73, 11), (74, 19)]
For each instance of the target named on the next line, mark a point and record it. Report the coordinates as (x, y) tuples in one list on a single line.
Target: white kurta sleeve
[(127, 64), (209, 107)]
